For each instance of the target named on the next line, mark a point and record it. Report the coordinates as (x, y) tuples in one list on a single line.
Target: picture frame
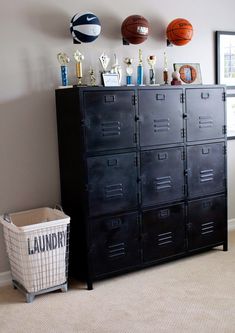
[(225, 73), (190, 73), (110, 79)]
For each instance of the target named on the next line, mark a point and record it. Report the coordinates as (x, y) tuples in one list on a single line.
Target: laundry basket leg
[(64, 288), (29, 297)]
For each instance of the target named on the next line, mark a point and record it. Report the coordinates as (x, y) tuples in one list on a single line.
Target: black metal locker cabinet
[(162, 175), (160, 116), (163, 232), (114, 243), (205, 113), (207, 221), (138, 190), (112, 183), (109, 120), (206, 169)]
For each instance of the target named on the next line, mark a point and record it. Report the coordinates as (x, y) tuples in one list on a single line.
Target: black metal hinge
[(134, 100), (224, 96), (183, 155), (224, 129), (225, 150), (182, 98), (135, 137), (182, 131)]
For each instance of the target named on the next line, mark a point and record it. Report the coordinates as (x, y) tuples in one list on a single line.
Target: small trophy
[(92, 77), (63, 60), (140, 72), (165, 71), (129, 70), (176, 79), (78, 58), (116, 69), (152, 61), (104, 60)]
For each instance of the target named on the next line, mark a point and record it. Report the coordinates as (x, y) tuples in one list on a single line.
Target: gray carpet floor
[(194, 294)]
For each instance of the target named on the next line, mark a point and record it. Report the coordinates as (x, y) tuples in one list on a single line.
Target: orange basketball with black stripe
[(179, 32)]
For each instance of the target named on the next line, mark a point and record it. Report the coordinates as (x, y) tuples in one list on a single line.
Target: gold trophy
[(152, 61), (165, 71), (78, 56)]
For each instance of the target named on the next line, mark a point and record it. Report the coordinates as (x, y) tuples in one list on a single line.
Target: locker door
[(163, 232), (115, 243), (206, 169), (205, 110), (109, 120), (161, 120), (162, 175), (207, 222), (112, 183)]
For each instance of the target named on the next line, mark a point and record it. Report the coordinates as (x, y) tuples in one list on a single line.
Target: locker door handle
[(160, 97), (205, 95)]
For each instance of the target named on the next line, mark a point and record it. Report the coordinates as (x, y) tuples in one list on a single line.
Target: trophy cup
[(129, 70), (92, 77), (63, 60), (140, 72), (152, 61), (78, 58), (104, 60), (165, 71)]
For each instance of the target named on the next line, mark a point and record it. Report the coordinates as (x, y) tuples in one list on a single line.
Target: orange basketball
[(135, 29), (179, 32)]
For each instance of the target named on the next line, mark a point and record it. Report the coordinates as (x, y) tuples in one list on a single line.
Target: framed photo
[(189, 73), (110, 80), (225, 73)]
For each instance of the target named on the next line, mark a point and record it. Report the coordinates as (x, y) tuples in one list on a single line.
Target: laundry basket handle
[(59, 207), (7, 218)]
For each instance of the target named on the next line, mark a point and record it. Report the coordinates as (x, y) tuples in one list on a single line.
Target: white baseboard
[(5, 278)]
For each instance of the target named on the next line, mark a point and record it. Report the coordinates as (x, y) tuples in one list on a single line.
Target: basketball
[(85, 28), (179, 32), (135, 29)]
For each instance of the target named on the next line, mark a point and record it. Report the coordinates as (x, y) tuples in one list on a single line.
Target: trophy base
[(65, 87)]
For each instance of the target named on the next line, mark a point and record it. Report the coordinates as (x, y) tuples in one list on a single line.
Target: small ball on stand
[(175, 79)]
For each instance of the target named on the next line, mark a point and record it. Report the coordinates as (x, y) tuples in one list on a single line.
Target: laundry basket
[(37, 244)]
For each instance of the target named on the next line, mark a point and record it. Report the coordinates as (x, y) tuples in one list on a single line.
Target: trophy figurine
[(140, 72), (116, 69), (129, 70), (104, 60), (63, 60), (151, 61), (165, 71), (78, 58), (92, 77)]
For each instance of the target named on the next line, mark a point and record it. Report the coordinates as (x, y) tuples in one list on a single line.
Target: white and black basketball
[(85, 28)]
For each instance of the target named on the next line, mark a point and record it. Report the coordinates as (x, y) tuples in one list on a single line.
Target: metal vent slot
[(111, 128), (161, 125), (205, 121), (162, 183), (206, 175), (165, 238), (114, 191), (116, 250), (207, 228)]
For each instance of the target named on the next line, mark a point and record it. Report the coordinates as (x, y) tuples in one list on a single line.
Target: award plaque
[(129, 70), (79, 57), (151, 61), (104, 60), (63, 61)]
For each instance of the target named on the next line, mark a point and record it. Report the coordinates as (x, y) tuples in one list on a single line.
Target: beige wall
[(31, 34)]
